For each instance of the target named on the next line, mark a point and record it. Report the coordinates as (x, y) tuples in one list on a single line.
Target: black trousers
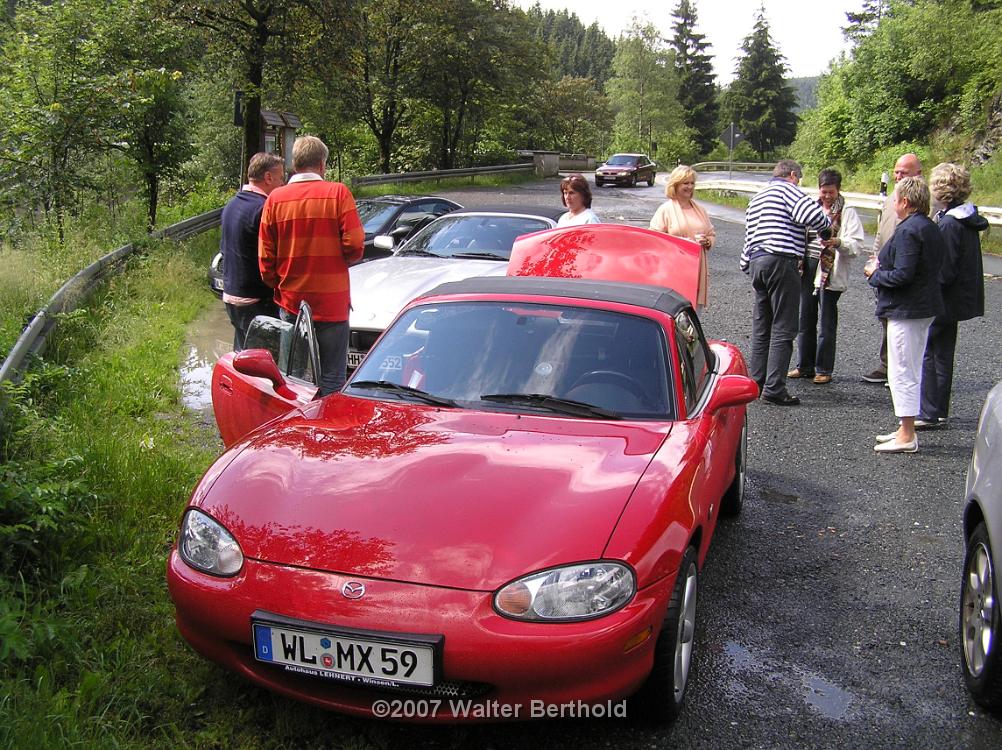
[(774, 321), (937, 369)]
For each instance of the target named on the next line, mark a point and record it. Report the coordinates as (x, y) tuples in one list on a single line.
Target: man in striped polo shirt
[(310, 234), (776, 224)]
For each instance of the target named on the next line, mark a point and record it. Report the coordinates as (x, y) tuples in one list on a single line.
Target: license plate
[(217, 284), (381, 660), (355, 359)]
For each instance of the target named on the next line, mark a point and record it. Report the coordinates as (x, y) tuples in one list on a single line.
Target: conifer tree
[(860, 25), (759, 101), (697, 92)]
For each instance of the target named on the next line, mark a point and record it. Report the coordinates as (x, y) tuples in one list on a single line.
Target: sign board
[(731, 136)]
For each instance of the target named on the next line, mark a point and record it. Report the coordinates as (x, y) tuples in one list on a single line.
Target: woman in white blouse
[(575, 193), (681, 216), (826, 276)]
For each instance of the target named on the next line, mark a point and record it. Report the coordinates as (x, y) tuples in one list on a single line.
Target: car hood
[(381, 288), (453, 498), (615, 168)]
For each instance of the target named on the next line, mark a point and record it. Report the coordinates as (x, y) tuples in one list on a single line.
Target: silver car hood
[(380, 288)]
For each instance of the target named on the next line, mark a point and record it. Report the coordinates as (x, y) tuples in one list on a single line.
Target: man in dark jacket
[(961, 279), (244, 293)]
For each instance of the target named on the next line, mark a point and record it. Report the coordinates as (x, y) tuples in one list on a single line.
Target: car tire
[(734, 496), (632, 182), (661, 697), (981, 622), (598, 182), (650, 180)]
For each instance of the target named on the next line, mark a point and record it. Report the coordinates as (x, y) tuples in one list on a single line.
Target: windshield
[(621, 160), (552, 359), (472, 235), (373, 214)]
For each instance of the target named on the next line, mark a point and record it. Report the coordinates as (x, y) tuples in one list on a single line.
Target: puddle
[(823, 696), (208, 338), (829, 699), (780, 497)]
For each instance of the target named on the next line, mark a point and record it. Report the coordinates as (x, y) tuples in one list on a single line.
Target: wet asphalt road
[(828, 609)]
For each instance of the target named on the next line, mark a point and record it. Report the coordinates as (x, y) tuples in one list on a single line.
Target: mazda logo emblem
[(353, 590)]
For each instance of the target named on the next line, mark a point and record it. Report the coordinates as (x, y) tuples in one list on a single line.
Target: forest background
[(106, 100)]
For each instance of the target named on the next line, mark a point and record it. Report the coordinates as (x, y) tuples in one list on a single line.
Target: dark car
[(398, 216), (626, 169)]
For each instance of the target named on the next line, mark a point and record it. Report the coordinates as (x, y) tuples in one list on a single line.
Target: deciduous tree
[(643, 91)]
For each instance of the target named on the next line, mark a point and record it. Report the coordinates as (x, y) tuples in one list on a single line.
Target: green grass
[(97, 460)]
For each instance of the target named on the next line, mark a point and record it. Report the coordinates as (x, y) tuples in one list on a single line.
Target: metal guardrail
[(32, 338), (735, 166), (437, 174), (856, 200)]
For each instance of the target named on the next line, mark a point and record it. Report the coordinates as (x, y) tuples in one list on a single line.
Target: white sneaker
[(887, 438)]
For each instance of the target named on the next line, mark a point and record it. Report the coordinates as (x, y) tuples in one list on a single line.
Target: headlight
[(206, 546), (574, 592)]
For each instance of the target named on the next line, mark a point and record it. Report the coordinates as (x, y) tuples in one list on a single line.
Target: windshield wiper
[(546, 401), (484, 255), (418, 251), (386, 385)]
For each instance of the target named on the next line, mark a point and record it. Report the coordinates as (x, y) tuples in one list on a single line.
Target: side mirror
[(258, 363), (383, 242), (732, 390)]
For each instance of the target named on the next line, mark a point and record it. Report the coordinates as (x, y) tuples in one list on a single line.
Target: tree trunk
[(152, 197), (252, 99)]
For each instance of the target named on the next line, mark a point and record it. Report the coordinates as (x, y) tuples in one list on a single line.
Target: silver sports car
[(980, 608), (461, 244)]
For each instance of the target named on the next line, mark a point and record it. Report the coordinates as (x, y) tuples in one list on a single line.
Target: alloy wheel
[(977, 610), (686, 632)]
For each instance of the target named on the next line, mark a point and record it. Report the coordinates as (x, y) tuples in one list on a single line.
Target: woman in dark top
[(909, 297), (961, 279)]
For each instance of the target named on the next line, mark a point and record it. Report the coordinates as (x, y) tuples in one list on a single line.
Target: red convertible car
[(503, 513)]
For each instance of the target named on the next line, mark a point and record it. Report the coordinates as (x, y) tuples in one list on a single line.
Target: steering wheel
[(612, 377)]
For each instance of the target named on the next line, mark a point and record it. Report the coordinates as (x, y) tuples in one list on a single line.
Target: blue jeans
[(332, 346), (816, 349), (776, 282), (937, 369), (242, 315)]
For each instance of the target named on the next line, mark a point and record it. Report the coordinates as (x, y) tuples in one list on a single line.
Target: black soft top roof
[(640, 295)]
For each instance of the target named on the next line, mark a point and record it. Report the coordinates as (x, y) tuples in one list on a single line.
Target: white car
[(980, 607), (459, 245)]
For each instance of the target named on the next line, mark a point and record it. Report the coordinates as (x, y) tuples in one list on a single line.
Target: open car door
[(610, 252), (278, 371)]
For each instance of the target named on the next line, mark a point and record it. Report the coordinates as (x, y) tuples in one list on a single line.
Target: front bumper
[(513, 666), (621, 178)]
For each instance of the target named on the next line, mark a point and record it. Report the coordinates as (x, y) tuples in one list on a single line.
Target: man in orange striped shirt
[(310, 233)]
